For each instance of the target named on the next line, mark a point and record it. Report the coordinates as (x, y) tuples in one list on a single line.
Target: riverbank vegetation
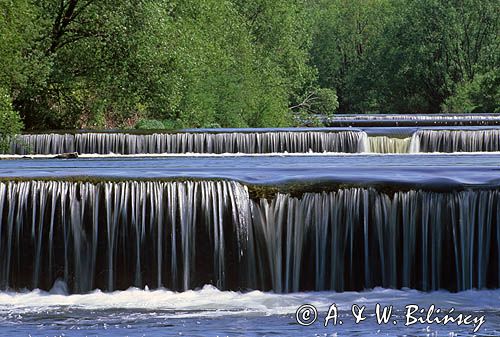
[(241, 63)]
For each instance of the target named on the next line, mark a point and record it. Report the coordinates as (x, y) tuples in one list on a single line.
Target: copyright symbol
[(306, 315)]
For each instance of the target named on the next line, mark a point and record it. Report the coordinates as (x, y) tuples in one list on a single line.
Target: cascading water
[(424, 141), (187, 142), (115, 235), (360, 238), (384, 144), (184, 234), (412, 120), (258, 142), (419, 117), (458, 140)]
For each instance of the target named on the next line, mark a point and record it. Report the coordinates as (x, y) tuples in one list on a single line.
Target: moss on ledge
[(269, 191)]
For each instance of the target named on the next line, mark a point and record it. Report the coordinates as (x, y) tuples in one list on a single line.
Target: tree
[(315, 105), (482, 94), (281, 33), (16, 33), (343, 41), (238, 63), (81, 42), (403, 56), (10, 122), (190, 63), (426, 50)]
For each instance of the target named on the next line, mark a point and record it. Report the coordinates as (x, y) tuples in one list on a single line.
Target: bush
[(315, 106), (327, 101), (482, 94), (149, 124), (10, 122), (171, 125), (211, 126)]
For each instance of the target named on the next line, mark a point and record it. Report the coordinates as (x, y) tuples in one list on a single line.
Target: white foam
[(226, 155), (211, 302)]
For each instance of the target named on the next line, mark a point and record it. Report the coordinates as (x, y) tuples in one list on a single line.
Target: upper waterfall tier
[(458, 140), (189, 142), (261, 141), (413, 120)]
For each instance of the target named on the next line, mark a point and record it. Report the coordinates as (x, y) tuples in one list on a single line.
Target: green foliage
[(10, 122), (212, 126), (149, 124), (197, 62), (171, 125), (343, 39), (425, 51), (327, 101), (243, 63), (482, 94), (315, 105), (402, 56), (18, 32)]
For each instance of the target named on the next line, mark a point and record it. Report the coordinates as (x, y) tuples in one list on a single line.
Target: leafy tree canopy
[(242, 63)]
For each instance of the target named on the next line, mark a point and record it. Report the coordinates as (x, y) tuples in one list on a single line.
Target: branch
[(306, 102), (67, 14)]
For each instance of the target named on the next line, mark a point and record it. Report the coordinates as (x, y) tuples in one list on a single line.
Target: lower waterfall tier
[(182, 235)]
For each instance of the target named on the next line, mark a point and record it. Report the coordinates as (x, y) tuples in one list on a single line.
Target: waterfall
[(384, 144), (361, 238), (416, 120), (115, 235), (258, 142), (184, 234), (418, 117), (459, 140), (184, 142), (435, 141)]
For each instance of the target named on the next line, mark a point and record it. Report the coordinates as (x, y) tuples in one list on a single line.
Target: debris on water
[(69, 155)]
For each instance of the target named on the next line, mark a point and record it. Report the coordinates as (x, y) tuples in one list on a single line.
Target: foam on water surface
[(212, 302), (211, 312)]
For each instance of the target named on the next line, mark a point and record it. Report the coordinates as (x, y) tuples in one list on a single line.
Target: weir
[(253, 142), (188, 142), (385, 144), (458, 140), (184, 234), (395, 120)]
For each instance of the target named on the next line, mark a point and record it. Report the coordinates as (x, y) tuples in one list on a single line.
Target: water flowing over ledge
[(458, 140), (193, 142), (419, 117), (255, 141), (413, 120), (182, 235)]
